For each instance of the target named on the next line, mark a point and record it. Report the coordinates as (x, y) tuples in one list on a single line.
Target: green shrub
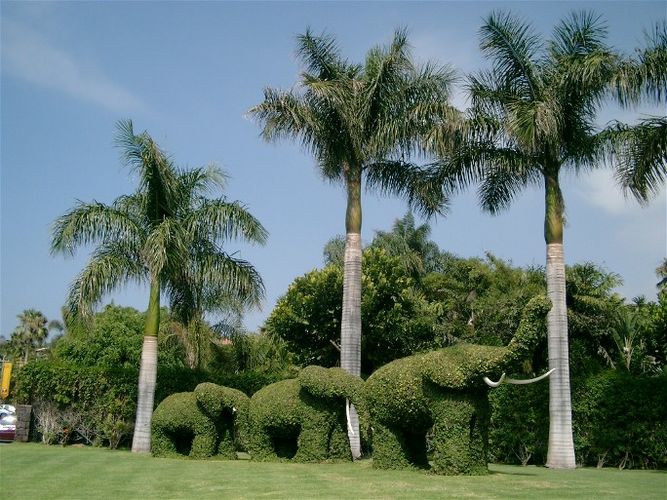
[(621, 420), (618, 419), (199, 424), (303, 419), (179, 427), (104, 398), (228, 409), (441, 394)]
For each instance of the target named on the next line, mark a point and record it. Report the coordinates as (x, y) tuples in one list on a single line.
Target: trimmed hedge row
[(105, 398), (618, 419)]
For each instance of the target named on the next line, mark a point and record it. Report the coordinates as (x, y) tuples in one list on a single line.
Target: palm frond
[(166, 242), (89, 223), (639, 155), (319, 54), (156, 172), (220, 220), (231, 277), (579, 33), (111, 265), (503, 183), (512, 46), (420, 186)]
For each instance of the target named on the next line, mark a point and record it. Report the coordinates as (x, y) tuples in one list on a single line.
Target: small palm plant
[(168, 235)]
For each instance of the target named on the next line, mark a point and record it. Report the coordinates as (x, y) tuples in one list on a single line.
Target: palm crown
[(166, 231), (365, 119)]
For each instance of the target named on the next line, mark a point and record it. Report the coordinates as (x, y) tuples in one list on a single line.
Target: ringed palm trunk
[(141, 440), (350, 354), (560, 453)]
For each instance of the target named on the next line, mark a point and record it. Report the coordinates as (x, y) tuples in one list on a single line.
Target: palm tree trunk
[(350, 355), (141, 440), (560, 453)]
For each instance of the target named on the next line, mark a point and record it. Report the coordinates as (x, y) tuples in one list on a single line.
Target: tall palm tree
[(533, 116), (164, 231), (360, 122)]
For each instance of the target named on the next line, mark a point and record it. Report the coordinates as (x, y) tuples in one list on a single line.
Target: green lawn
[(35, 471)]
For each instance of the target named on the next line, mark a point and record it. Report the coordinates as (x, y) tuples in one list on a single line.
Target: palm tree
[(411, 244), (161, 235), (532, 116), (30, 334), (360, 123)]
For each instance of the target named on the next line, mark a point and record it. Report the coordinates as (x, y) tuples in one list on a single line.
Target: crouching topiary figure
[(199, 424), (442, 394), (304, 419)]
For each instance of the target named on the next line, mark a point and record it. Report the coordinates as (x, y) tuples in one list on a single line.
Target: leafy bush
[(621, 420), (304, 419), (396, 318), (104, 397), (618, 419), (441, 394), (199, 424)]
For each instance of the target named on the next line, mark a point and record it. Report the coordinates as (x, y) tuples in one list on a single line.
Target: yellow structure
[(6, 375)]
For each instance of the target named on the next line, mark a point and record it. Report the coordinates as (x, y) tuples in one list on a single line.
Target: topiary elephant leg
[(204, 440), (227, 445), (389, 448), (460, 435), (161, 443), (260, 444), (313, 442), (339, 444)]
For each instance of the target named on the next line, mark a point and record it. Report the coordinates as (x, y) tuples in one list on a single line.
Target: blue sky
[(187, 73)]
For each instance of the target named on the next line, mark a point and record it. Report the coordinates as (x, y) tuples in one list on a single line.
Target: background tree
[(411, 244), (160, 235), (29, 336), (113, 338), (533, 116), (360, 122), (397, 320)]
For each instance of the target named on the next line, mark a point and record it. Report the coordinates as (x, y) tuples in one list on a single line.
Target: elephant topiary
[(440, 396), (199, 424), (304, 419)]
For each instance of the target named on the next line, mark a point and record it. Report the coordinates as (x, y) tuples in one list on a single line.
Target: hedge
[(441, 393), (102, 400), (618, 420)]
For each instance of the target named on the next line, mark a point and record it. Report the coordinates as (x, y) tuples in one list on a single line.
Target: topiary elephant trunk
[(442, 394)]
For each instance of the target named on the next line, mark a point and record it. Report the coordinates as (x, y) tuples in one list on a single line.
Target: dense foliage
[(442, 393), (396, 319), (619, 420), (201, 423), (97, 404), (303, 419)]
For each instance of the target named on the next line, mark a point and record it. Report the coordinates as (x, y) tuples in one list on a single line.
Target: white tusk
[(530, 380), (350, 430), (490, 383)]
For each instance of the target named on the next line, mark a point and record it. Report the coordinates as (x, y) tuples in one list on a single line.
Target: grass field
[(32, 471)]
